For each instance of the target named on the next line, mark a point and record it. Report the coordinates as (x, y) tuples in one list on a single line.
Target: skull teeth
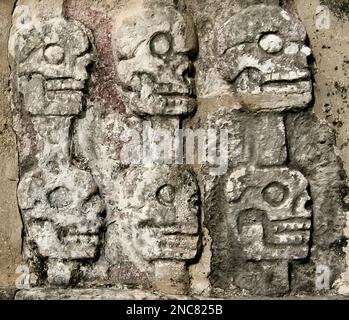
[(289, 76), (292, 226), (180, 87), (173, 89), (291, 239), (64, 84), (253, 80)]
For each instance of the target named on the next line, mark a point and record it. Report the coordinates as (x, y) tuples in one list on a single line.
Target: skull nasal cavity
[(160, 44), (271, 43)]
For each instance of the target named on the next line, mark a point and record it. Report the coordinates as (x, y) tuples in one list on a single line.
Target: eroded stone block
[(50, 63), (253, 138), (267, 209), (262, 55), (155, 49), (311, 145), (261, 216), (154, 224)]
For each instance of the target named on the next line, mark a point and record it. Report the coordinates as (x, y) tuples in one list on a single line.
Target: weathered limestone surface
[(94, 294), (261, 54), (107, 98), (129, 294)]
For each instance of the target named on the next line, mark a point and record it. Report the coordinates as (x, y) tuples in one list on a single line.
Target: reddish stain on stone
[(104, 78), (130, 276)]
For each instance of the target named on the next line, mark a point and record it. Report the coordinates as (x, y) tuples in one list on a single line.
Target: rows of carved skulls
[(146, 221)]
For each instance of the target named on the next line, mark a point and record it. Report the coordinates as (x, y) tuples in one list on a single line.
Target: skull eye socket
[(271, 43), (275, 194), (166, 194), (160, 44), (54, 54), (60, 198)]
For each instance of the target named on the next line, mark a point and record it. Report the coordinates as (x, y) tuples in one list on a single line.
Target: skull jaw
[(166, 240), (273, 92), (256, 248), (70, 247), (178, 247), (275, 101), (161, 105), (59, 102), (62, 227), (145, 246)]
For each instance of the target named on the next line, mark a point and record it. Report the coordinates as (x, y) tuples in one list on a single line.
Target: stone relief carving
[(262, 215), (156, 223), (91, 219), (66, 207), (155, 68), (262, 55), (258, 212), (51, 67), (267, 213), (60, 204), (157, 219), (152, 222)]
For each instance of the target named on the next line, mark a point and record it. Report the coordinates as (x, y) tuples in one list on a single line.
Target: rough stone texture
[(249, 141), (325, 26), (94, 294), (10, 226), (311, 148), (127, 294), (154, 222), (331, 68), (145, 240), (260, 213), (84, 73), (155, 69), (7, 293)]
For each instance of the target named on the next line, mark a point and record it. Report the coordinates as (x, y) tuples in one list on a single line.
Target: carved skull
[(261, 54), (269, 214), (157, 217), (50, 64), (62, 213), (155, 52)]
